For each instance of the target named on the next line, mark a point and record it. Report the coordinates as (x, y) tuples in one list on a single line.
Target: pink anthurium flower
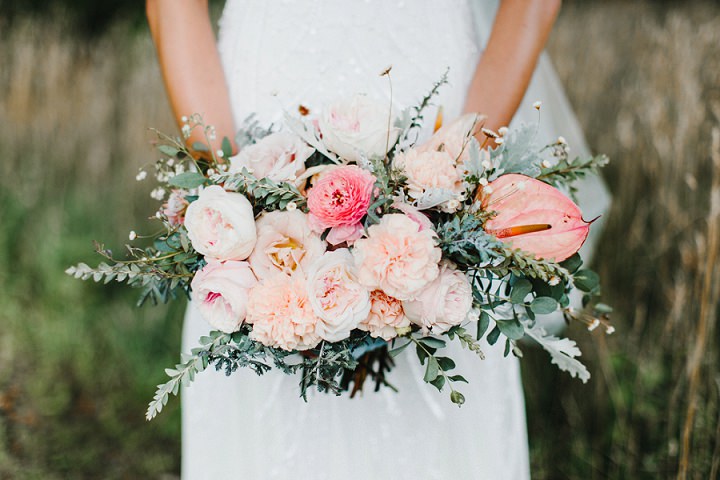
[(534, 217)]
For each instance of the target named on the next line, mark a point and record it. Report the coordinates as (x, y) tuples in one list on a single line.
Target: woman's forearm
[(504, 71), (190, 64)]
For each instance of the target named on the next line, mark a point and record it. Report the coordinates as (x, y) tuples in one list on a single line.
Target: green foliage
[(267, 194)]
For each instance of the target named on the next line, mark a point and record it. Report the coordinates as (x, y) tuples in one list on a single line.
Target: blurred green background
[(79, 86)]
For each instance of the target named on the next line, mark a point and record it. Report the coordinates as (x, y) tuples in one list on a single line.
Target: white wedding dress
[(279, 55)]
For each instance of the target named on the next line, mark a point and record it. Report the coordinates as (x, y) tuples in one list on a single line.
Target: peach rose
[(339, 200), (284, 243), (444, 303), (220, 291), (281, 315), (279, 156), (397, 257), (221, 225), (429, 170), (386, 315), (337, 298), (356, 128)]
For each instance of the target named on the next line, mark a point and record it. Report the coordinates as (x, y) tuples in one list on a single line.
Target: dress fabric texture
[(278, 55)]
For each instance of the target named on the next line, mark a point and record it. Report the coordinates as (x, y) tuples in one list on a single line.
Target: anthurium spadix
[(534, 217)]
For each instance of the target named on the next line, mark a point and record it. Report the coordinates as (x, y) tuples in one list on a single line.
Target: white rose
[(444, 303), (337, 298), (285, 242), (278, 156), (360, 125), (221, 225), (220, 291)]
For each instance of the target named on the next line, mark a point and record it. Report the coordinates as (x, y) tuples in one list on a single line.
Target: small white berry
[(499, 141), (453, 204), (595, 323), (184, 119), (537, 105), (158, 193), (132, 235), (486, 164), (483, 181), (503, 131), (554, 280), (211, 172), (291, 206), (610, 330), (186, 130), (562, 141), (220, 153), (546, 164), (142, 174)]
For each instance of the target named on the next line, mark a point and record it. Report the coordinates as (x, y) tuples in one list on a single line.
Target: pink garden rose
[(534, 217), (285, 243), (221, 225), (337, 298), (414, 214), (279, 156), (281, 315), (386, 315), (358, 127), (174, 208), (339, 200), (397, 257), (220, 291), (444, 303)]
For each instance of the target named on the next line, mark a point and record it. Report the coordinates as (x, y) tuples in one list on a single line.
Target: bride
[(274, 56)]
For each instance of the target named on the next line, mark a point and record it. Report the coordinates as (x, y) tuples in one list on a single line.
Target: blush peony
[(339, 200), (221, 225), (220, 291), (356, 128), (397, 257), (279, 156), (337, 298), (285, 243), (174, 209), (444, 303), (281, 315), (386, 315)]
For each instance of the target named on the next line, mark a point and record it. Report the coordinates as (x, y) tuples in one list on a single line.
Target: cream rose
[(285, 243), (428, 170), (220, 291), (337, 298), (279, 156), (397, 257), (221, 225), (359, 126), (386, 315), (444, 303), (454, 137)]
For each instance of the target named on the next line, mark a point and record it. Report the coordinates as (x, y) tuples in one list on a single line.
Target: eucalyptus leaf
[(187, 180), (493, 335), (586, 280), (511, 328), (520, 290), (168, 150), (483, 324), (432, 370), (432, 342), (544, 305)]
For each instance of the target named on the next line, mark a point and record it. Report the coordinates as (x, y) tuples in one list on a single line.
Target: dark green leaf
[(187, 180), (457, 378), (421, 354), (573, 263), (507, 347), (493, 335), (483, 324), (396, 351), (200, 147), (586, 280), (439, 382), (445, 363)]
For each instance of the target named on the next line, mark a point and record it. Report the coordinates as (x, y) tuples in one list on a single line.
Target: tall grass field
[(78, 361)]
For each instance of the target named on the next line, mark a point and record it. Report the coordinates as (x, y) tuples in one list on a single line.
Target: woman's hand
[(190, 64), (504, 71)]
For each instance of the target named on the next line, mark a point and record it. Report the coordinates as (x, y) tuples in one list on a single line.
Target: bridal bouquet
[(335, 242)]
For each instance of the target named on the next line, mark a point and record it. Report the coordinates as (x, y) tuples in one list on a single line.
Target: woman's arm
[(190, 64), (518, 37)]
